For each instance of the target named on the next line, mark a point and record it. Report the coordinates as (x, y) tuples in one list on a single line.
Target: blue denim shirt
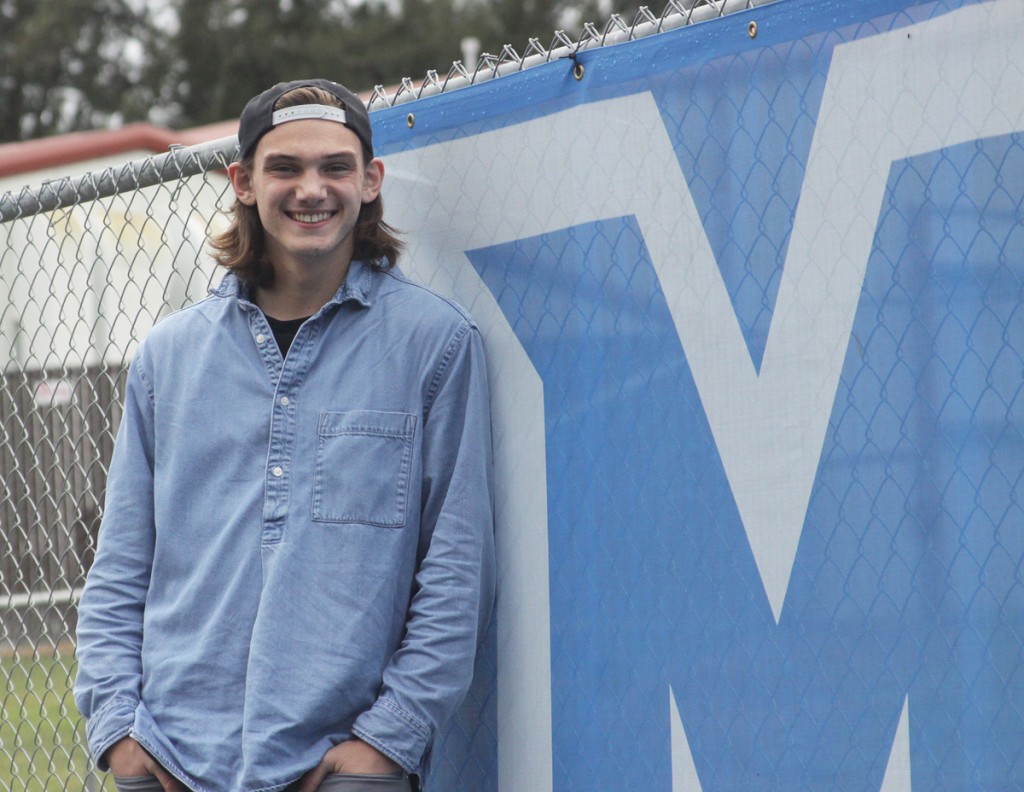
[(293, 551)]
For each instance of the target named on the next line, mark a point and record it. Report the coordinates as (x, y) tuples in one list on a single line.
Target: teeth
[(311, 218)]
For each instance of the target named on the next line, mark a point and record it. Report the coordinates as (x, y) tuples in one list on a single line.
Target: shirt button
[(278, 471), (285, 401), (260, 338)]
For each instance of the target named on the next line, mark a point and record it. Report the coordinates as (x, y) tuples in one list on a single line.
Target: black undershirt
[(284, 331)]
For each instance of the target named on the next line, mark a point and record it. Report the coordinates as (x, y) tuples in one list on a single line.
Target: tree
[(228, 50), (80, 64), (70, 64)]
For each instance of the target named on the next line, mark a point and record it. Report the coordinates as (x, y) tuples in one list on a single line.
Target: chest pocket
[(363, 461)]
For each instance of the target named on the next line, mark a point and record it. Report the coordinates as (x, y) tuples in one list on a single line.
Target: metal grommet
[(577, 71), (410, 120), (752, 29)]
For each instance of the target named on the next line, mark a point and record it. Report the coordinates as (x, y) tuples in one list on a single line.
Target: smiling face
[(308, 182)]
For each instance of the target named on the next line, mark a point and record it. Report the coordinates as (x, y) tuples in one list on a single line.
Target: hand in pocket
[(353, 757), (128, 759)]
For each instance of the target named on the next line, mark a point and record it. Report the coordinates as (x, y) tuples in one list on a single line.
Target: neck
[(299, 292)]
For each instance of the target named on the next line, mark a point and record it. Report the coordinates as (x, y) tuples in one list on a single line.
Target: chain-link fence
[(660, 633), (87, 265), (82, 283)]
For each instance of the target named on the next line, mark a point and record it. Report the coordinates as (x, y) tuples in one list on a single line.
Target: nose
[(310, 186)]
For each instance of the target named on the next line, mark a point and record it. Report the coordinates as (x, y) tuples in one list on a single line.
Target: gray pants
[(335, 782), (339, 782)]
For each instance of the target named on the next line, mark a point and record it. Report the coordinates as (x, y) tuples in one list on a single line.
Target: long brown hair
[(241, 247)]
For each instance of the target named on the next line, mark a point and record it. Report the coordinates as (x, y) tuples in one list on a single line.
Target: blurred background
[(71, 65)]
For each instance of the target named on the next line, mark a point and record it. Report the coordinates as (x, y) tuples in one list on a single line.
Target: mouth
[(310, 218)]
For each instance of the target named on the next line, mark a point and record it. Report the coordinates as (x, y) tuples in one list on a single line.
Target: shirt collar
[(357, 286)]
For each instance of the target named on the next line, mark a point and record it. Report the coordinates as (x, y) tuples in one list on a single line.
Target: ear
[(372, 180), (241, 180)]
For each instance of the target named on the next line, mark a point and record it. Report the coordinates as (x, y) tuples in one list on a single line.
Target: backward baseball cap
[(259, 115)]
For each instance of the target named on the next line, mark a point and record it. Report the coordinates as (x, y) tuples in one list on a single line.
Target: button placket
[(291, 371)]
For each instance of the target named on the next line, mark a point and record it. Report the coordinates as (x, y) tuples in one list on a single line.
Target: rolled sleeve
[(110, 723)]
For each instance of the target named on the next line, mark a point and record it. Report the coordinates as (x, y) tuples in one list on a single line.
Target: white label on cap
[(316, 111)]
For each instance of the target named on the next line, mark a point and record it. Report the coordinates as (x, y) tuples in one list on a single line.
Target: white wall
[(85, 284)]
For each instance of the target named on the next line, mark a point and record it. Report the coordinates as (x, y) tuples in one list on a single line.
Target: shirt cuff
[(110, 723), (393, 732)]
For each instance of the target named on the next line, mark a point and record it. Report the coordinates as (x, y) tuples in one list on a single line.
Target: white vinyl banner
[(752, 305)]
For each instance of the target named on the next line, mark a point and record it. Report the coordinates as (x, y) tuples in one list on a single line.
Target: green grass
[(42, 735)]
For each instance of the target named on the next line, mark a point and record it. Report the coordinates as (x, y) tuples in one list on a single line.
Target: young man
[(296, 557)]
